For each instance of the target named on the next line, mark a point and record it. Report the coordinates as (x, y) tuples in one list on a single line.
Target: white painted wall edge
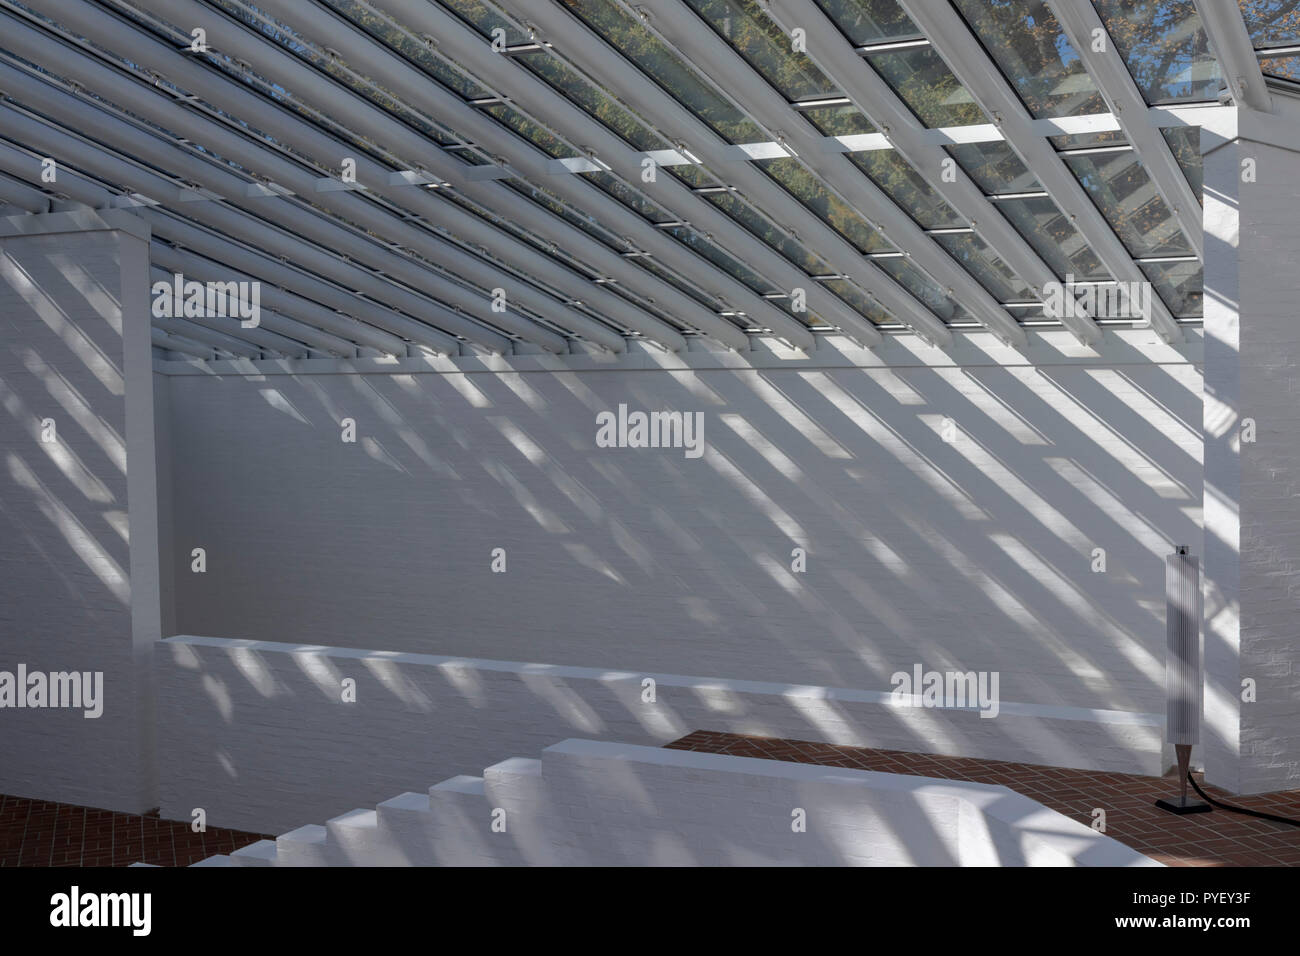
[(686, 682), (1045, 348)]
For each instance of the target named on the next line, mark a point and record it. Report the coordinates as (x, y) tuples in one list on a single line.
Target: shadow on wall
[(65, 587), (949, 516)]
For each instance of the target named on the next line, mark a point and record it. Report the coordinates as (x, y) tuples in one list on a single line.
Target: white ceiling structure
[(407, 177)]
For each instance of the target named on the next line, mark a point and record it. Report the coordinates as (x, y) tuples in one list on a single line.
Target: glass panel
[(765, 46), (694, 176), (594, 100), (1031, 50), (737, 270), (870, 21), (829, 207), (908, 188), (485, 21), (526, 128), (995, 167), (411, 48), (1053, 237), (629, 197), (587, 223), (1179, 285), (644, 49), (858, 300), (673, 279), (839, 120), (1272, 22), (1126, 196), (923, 81), (1286, 67), (994, 274), (920, 285), (748, 217), (1185, 142), (1111, 137), (1164, 47)]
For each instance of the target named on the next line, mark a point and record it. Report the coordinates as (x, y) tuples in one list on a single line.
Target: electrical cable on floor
[(1227, 806)]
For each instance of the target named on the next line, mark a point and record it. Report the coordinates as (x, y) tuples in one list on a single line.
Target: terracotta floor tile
[(1220, 838)]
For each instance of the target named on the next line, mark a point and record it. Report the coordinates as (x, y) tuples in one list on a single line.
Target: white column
[(78, 503), (1252, 488)]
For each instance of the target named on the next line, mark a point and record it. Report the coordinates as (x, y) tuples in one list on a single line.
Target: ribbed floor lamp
[(1183, 668)]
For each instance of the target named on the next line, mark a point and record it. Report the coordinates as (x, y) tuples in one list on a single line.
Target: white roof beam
[(531, 95), (1080, 23), (73, 150), (21, 196), (175, 343), (260, 335), (370, 59), (606, 66), (835, 56), (966, 58), (322, 327), (201, 332), (1232, 46), (73, 184), (357, 114), (227, 141)]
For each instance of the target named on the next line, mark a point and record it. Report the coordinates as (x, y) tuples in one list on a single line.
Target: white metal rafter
[(532, 95), (1232, 46), (367, 55), (965, 56), (575, 42), (838, 60), (1080, 23)]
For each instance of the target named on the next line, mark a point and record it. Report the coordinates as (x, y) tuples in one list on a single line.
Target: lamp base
[(1179, 806)]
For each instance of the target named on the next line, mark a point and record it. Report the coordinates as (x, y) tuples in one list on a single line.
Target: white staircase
[(602, 803)]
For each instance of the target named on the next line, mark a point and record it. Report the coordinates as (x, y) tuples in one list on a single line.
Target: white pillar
[(78, 502), (1252, 489)]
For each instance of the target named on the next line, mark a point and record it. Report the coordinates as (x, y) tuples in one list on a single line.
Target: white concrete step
[(408, 820), (461, 826), (261, 853), (515, 786), (306, 846), (219, 860), (357, 839)]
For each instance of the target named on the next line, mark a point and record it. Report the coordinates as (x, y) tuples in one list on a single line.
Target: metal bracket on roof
[(266, 189)]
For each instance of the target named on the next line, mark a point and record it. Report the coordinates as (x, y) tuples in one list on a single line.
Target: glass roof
[(1033, 54), (1271, 22), (1164, 48), (868, 22), (924, 82), (710, 200)]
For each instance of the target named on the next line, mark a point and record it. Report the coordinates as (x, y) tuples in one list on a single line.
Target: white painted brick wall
[(971, 555), (257, 734), (1253, 372), (71, 313)]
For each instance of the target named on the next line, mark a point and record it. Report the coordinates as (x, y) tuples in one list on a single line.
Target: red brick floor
[(1220, 838), (40, 833)]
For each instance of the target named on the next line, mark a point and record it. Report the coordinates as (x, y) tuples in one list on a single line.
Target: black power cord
[(1250, 813)]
